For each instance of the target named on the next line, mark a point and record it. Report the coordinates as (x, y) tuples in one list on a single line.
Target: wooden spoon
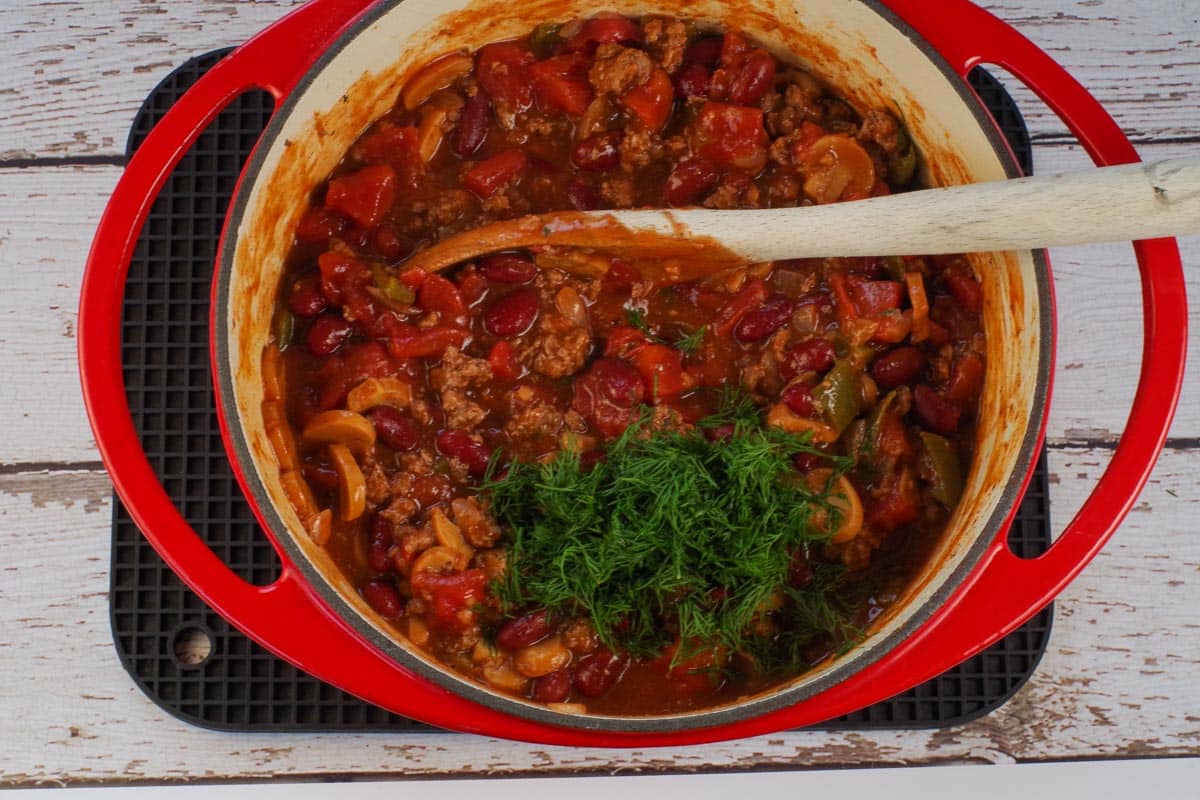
[(1135, 201)]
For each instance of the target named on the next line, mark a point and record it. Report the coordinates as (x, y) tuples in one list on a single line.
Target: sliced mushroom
[(280, 434), (434, 76), (320, 526), (338, 426), (299, 494), (433, 126), (844, 498), (439, 559), (352, 486), (379, 392), (542, 658), (274, 387), (504, 676), (418, 632), (782, 417), (449, 535)]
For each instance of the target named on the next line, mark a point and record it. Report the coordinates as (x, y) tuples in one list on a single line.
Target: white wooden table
[(1121, 677)]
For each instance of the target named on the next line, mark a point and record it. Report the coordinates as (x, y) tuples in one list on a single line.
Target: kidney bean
[(526, 630), (321, 475), (382, 596), (390, 244), (473, 124), (328, 333), (689, 181), (306, 298), (512, 314), (393, 428), (966, 290), (704, 51), (582, 197), (553, 688), (598, 152), (379, 552), (935, 412), (458, 444), (692, 80), (897, 367), (759, 323), (814, 355), (508, 268), (619, 382), (752, 81), (807, 462), (719, 433), (799, 399), (598, 672)]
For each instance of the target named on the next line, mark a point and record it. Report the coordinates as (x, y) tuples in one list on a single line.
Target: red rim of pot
[(993, 592)]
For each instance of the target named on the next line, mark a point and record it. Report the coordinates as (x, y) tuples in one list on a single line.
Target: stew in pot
[(581, 486)]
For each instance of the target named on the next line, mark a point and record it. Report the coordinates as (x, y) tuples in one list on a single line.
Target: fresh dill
[(686, 345), (673, 536)]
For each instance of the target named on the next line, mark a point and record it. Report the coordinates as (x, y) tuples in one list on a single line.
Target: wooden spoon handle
[(1135, 201)]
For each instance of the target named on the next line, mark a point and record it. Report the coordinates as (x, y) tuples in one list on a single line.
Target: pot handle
[(1010, 590), (308, 634)]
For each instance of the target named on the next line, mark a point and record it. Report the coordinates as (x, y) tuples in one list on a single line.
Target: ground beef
[(881, 128), (618, 69), (579, 637), (477, 526), (732, 192), (666, 40), (618, 191), (454, 377), (801, 101), (378, 485), (401, 510), (561, 341), (640, 147), (538, 424), (411, 541)]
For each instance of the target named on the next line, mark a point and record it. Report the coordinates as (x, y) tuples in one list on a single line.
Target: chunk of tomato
[(651, 102), (441, 295), (561, 84), (451, 597), (364, 196), (751, 296), (502, 69), (732, 136), (486, 177), (392, 144), (503, 362), (409, 341), (662, 370)]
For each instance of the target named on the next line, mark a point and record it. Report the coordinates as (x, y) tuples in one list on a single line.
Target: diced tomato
[(892, 327), (504, 362), (486, 177), (451, 596), (409, 341), (603, 30), (621, 275), (751, 296), (318, 225), (873, 298), (441, 295), (624, 341), (895, 503), (732, 136), (502, 69), (651, 102), (349, 367), (561, 84), (810, 133), (364, 196), (390, 144), (662, 369), (966, 378), (473, 286)]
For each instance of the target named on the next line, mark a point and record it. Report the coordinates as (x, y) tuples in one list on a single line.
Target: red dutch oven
[(334, 65)]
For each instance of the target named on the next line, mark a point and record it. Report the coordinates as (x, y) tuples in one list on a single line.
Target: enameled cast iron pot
[(334, 65)]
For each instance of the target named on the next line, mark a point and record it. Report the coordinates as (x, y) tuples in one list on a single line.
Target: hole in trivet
[(192, 645)]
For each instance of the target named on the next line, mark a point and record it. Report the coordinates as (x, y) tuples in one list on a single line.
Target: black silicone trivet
[(159, 625)]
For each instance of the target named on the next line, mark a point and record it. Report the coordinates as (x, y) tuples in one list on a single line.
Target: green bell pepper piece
[(947, 484)]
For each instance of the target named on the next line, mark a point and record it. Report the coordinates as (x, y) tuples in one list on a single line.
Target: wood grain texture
[(1117, 679)]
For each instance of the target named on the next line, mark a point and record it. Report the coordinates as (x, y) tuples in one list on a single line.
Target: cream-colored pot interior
[(856, 47)]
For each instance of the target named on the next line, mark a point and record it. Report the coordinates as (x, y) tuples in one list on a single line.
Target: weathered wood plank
[(1117, 680), (79, 70)]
